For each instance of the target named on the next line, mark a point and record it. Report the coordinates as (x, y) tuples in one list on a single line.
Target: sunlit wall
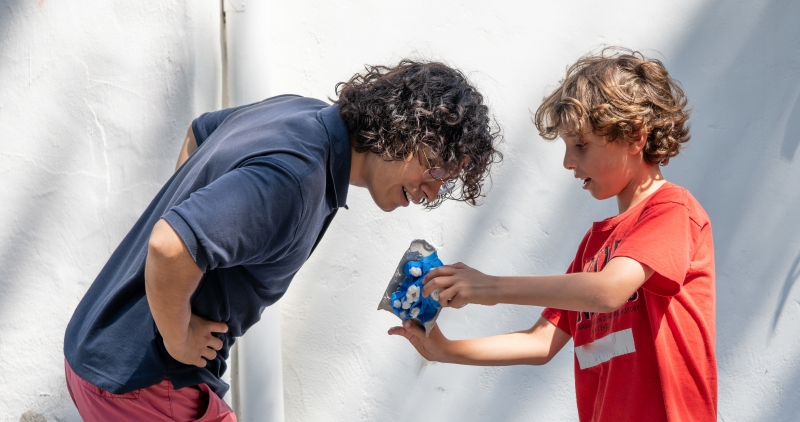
[(95, 98), (740, 66)]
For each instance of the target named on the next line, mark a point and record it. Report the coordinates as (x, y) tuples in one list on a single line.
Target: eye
[(580, 146), (437, 173)]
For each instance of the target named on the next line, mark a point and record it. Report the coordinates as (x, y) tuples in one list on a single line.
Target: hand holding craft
[(433, 347), (460, 285)]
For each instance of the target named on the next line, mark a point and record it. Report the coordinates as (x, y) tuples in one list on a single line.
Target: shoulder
[(678, 197)]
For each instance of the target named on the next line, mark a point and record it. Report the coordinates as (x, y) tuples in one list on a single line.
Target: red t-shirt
[(652, 359)]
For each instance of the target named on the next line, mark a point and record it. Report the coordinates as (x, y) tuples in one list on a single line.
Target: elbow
[(539, 360), (543, 360), (610, 302), (164, 243)]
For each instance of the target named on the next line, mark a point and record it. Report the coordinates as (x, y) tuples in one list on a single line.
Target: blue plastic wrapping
[(411, 304), (403, 294)]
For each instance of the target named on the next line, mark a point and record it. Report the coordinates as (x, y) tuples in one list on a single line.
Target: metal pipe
[(257, 373)]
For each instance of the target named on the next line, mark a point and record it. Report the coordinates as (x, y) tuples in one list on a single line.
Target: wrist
[(174, 334), (451, 352), (498, 291)]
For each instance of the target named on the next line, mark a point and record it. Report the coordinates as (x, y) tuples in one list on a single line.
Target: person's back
[(244, 152), (638, 299), (254, 191)]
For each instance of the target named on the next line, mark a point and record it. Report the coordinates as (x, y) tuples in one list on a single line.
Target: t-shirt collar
[(611, 222), (339, 159)]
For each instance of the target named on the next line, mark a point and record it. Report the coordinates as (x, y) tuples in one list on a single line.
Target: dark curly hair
[(396, 111), (619, 93)]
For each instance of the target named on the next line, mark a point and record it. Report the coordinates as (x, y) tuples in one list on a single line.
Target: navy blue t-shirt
[(250, 204)]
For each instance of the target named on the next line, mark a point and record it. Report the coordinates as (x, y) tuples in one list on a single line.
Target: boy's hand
[(198, 344), (461, 285), (432, 348)]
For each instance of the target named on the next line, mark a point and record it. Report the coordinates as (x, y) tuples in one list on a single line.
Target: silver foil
[(419, 249)]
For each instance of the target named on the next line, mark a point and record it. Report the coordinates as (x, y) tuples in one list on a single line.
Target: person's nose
[(430, 190), (570, 163)]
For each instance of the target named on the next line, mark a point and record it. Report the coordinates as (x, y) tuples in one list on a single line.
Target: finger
[(215, 343), (413, 329), (396, 331), (200, 362), (218, 327), (459, 265), (400, 331), (416, 336), (447, 295), (209, 354), (438, 272), (457, 302), (441, 282)]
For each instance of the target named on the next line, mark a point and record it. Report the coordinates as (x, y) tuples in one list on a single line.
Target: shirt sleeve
[(207, 123), (557, 317), (661, 239), (248, 215)]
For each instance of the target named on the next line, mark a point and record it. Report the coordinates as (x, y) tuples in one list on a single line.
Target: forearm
[(578, 291), (603, 291), (535, 346), (518, 348), (171, 277)]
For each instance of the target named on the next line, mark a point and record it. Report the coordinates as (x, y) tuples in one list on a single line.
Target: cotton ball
[(435, 294), (414, 312), (406, 305), (413, 293), (397, 303), (403, 314), (415, 271)]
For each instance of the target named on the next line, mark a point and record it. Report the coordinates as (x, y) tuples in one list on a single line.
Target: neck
[(356, 167), (642, 185)]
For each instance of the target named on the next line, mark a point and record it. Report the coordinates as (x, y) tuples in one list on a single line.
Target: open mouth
[(586, 182), (409, 199)]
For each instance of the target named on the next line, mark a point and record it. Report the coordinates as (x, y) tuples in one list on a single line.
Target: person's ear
[(639, 142)]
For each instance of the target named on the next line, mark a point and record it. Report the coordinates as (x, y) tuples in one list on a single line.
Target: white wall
[(95, 97), (740, 66)]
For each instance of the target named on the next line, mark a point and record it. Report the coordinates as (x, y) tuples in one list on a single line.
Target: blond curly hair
[(619, 93)]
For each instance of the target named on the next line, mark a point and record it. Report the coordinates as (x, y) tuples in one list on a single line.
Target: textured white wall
[(95, 97), (740, 65)]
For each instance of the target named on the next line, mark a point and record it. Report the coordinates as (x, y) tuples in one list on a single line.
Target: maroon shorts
[(160, 402)]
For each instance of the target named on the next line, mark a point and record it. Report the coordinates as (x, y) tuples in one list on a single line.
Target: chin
[(383, 205), (600, 196)]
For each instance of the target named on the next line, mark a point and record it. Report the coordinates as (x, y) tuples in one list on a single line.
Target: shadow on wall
[(739, 68), (70, 188), (790, 126), (783, 297)]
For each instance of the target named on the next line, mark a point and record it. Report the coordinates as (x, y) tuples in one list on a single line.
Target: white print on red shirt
[(613, 344), (603, 349)]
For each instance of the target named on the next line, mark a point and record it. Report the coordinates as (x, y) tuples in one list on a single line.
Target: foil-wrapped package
[(403, 295)]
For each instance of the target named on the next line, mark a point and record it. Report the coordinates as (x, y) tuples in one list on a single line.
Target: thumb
[(219, 327), (415, 329)]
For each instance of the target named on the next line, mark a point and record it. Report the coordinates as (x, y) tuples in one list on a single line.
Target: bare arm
[(535, 346), (188, 147), (603, 291), (171, 277)]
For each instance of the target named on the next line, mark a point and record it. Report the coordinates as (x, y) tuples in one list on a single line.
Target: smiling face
[(394, 183), (606, 168)]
